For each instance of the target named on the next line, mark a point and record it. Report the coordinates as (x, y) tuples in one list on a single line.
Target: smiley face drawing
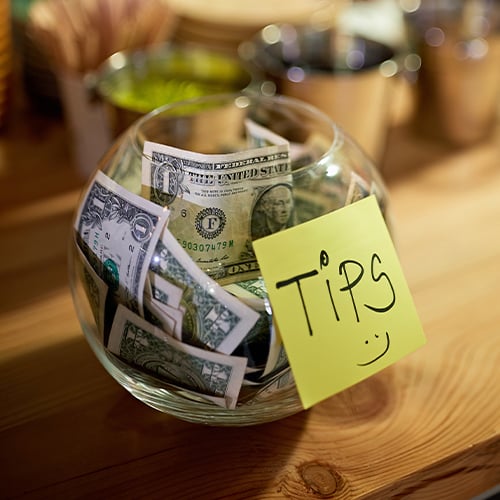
[(384, 351)]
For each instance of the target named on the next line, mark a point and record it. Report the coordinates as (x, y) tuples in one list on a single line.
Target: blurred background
[(415, 82), (420, 74)]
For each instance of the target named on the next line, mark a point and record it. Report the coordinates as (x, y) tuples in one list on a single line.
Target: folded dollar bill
[(358, 189), (214, 318), (170, 321), (164, 291), (141, 344), (252, 292), (117, 231), (96, 290)]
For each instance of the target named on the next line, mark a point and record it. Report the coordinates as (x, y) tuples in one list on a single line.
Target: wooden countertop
[(426, 428)]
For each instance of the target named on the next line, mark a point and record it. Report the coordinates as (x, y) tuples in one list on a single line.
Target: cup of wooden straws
[(77, 37)]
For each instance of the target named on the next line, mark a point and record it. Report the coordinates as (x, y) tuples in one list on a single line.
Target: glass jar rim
[(242, 100)]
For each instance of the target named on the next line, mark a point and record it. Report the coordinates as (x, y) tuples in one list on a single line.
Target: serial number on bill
[(206, 247)]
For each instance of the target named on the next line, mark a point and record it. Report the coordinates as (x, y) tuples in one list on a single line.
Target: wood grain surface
[(428, 427)]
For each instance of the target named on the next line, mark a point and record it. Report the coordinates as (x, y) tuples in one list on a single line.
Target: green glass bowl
[(133, 83)]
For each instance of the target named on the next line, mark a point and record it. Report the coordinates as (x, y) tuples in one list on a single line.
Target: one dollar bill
[(220, 203), (141, 344), (117, 231), (213, 318), (95, 288)]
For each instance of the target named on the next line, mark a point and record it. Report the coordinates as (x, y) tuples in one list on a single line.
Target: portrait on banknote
[(273, 211)]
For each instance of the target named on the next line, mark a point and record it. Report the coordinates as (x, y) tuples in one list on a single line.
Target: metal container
[(458, 87), (345, 75)]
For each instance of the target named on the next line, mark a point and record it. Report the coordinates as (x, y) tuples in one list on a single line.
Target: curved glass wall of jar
[(230, 169)]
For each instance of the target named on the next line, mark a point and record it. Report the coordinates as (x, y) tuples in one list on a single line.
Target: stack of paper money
[(171, 277), (154, 306)]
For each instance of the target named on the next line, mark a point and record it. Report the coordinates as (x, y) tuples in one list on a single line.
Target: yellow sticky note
[(339, 298)]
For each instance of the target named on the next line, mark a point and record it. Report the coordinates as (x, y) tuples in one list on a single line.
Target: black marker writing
[(353, 272), (332, 302), (296, 279), (350, 285), (376, 279), (324, 260), (387, 345)]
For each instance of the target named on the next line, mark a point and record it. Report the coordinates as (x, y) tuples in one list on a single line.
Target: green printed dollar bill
[(164, 291), (357, 190), (277, 359), (95, 289), (165, 320), (141, 344), (213, 317), (252, 292), (220, 203), (282, 381), (117, 231)]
